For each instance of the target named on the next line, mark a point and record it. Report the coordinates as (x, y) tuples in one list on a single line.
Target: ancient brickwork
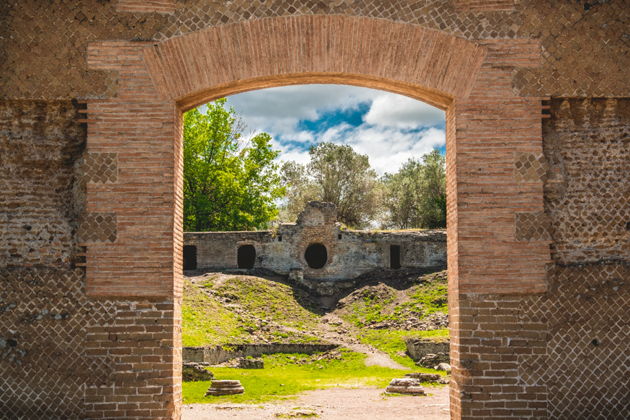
[(63, 355), (531, 336), (584, 44), (560, 354), (39, 144), (40, 61), (138, 126), (587, 145)]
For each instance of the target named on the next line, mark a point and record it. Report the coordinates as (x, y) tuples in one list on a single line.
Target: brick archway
[(496, 242)]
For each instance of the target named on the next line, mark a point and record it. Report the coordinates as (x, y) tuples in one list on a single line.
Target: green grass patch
[(285, 376), (268, 300), (431, 296), (383, 304), (392, 342), (206, 322)]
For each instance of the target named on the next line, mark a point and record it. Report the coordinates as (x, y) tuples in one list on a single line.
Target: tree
[(336, 174), (415, 196), (229, 183)]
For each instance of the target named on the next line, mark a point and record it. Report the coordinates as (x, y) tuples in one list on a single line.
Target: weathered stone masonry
[(349, 253), (528, 344)]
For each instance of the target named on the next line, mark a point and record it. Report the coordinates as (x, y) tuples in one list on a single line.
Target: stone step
[(225, 383), (225, 391), (413, 390)]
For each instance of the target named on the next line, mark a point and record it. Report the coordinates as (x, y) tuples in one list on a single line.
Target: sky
[(389, 128)]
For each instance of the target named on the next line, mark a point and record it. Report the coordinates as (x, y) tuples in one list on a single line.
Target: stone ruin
[(407, 385), (225, 387), (316, 248)]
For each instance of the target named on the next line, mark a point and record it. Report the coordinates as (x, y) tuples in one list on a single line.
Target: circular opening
[(595, 342), (316, 255)]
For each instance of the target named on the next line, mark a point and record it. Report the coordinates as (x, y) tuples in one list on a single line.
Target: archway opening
[(319, 245), (246, 257), (190, 257)]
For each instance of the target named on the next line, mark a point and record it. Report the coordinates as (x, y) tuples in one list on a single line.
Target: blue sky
[(389, 128)]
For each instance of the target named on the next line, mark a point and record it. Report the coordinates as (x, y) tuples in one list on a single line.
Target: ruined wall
[(551, 356), (39, 61), (63, 355), (39, 145), (563, 354), (350, 253)]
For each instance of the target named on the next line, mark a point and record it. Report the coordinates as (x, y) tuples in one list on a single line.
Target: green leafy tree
[(337, 174), (229, 183), (415, 196)]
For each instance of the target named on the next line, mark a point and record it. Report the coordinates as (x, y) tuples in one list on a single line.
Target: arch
[(246, 256), (490, 207), (429, 65)]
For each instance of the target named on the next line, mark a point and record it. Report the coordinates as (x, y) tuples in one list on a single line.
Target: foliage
[(283, 378), (336, 174), (300, 189), (415, 196), (229, 183), (393, 343)]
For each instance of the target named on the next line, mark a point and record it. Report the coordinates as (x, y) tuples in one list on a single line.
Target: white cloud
[(280, 109), (394, 129), (400, 111), (388, 148)]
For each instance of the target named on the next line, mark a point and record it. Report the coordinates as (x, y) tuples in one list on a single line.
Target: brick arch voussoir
[(429, 65)]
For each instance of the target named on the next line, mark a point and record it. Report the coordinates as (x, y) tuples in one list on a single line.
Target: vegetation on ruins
[(413, 197), (230, 183), (221, 308), (336, 174), (233, 307), (286, 375)]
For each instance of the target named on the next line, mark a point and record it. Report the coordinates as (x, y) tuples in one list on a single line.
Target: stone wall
[(350, 253), (219, 354), (550, 355), (417, 348)]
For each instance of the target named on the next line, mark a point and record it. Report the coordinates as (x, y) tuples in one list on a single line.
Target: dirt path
[(336, 330), (331, 328), (333, 404)]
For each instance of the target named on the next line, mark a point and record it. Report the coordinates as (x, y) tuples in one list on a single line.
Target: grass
[(381, 305), (430, 296), (206, 322), (393, 343), (266, 299), (285, 376)]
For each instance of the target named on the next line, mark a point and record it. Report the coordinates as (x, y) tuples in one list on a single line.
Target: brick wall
[(562, 354), (47, 321), (63, 355), (39, 61), (40, 143)]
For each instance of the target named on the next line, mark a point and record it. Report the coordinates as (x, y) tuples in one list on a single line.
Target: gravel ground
[(333, 404)]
